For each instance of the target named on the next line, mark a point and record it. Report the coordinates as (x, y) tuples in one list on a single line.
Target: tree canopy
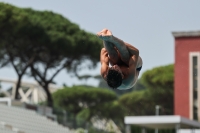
[(87, 103), (16, 40), (159, 91), (45, 42), (159, 77)]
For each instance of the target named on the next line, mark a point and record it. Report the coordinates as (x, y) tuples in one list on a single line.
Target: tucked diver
[(120, 61)]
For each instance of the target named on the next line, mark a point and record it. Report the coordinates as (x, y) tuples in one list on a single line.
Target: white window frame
[(191, 55)]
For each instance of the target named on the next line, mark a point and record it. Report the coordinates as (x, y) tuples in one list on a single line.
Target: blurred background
[(49, 59)]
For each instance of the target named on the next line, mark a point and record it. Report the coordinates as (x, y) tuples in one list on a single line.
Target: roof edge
[(186, 34)]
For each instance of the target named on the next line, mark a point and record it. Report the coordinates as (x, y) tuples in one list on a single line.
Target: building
[(186, 89), (187, 71), (20, 120), (29, 92)]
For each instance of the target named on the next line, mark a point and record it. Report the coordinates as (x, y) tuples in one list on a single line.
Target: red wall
[(183, 45)]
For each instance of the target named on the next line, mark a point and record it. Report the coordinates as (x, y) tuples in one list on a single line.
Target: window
[(194, 85)]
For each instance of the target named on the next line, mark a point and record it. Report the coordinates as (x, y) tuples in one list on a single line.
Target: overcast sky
[(146, 24)]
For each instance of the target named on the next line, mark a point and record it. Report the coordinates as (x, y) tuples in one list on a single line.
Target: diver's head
[(114, 77)]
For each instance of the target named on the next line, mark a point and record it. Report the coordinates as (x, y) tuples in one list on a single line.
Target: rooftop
[(186, 34), (161, 122)]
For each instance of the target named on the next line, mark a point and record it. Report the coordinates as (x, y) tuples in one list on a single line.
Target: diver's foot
[(105, 35)]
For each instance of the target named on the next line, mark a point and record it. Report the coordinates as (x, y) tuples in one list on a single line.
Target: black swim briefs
[(139, 68)]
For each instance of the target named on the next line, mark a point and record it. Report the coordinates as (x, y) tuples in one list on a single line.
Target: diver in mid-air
[(120, 61)]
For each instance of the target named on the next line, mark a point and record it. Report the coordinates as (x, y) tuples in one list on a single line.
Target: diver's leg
[(112, 52), (122, 48), (107, 36)]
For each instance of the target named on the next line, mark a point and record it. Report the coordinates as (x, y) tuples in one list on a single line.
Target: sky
[(146, 24)]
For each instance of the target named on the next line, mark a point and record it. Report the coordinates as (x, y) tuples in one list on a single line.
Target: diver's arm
[(104, 62)]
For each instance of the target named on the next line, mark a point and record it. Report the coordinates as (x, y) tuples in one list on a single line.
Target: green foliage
[(44, 41), (87, 102), (82, 117), (92, 130), (80, 130), (137, 103), (160, 81), (91, 96), (159, 77), (159, 91)]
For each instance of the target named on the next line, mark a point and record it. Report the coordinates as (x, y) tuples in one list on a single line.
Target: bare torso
[(130, 73)]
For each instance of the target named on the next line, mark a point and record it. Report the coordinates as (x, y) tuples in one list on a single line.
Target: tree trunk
[(74, 122), (49, 97), (17, 87)]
